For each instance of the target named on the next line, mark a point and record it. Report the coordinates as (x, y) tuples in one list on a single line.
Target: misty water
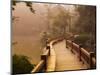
[(27, 29)]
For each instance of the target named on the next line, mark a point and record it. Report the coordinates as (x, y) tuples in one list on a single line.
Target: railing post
[(44, 57), (47, 41), (80, 52), (72, 47), (48, 48), (66, 44), (90, 61)]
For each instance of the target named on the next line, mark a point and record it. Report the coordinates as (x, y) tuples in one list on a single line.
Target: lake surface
[(26, 31)]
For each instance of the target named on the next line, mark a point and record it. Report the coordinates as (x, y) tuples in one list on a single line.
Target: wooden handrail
[(43, 62), (92, 65), (87, 56), (46, 52), (85, 52), (38, 66), (44, 57)]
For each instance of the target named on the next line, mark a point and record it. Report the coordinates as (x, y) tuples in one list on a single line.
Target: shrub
[(21, 65), (82, 39)]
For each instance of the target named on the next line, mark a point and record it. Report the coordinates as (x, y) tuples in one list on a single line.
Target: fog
[(28, 27)]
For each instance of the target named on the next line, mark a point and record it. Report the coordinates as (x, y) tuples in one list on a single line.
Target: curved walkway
[(65, 59)]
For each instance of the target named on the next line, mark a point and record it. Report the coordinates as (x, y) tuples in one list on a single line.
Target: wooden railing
[(42, 65), (83, 54)]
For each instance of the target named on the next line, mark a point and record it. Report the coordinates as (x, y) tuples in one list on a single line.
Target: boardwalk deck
[(51, 61), (65, 59)]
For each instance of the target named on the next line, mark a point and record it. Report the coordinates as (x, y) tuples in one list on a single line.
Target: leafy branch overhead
[(21, 64), (28, 4)]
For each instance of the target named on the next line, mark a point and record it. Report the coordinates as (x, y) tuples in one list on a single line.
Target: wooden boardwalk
[(65, 59)]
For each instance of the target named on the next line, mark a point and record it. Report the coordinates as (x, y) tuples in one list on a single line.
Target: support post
[(44, 57), (90, 61)]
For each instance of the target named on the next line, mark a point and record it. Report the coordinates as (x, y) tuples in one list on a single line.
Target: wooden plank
[(51, 63), (65, 59), (85, 52), (94, 60), (46, 52), (38, 66), (85, 55), (90, 61)]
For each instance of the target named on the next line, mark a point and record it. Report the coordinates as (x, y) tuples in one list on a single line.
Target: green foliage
[(59, 22), (82, 39), (21, 65), (44, 37), (86, 26), (87, 20), (28, 4), (86, 41)]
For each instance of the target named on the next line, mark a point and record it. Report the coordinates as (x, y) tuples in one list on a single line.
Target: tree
[(28, 4), (44, 39), (60, 22), (21, 64), (87, 20), (86, 24)]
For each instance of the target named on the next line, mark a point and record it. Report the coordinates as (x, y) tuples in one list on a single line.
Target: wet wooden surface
[(65, 59), (51, 63)]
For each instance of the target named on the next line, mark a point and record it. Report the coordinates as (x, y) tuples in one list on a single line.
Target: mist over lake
[(26, 31)]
